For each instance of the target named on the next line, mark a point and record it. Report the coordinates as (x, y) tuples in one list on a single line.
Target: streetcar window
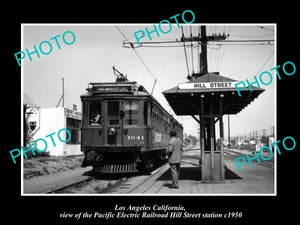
[(145, 113), (95, 114), (131, 109), (113, 113)]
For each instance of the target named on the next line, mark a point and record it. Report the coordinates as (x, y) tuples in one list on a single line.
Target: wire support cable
[(192, 50), (29, 101), (265, 63), (138, 55), (186, 60)]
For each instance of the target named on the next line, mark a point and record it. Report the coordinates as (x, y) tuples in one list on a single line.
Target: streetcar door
[(114, 132)]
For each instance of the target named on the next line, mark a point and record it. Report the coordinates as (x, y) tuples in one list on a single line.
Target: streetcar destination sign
[(204, 85), (112, 89)]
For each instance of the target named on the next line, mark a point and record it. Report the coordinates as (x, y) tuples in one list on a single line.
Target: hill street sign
[(204, 85)]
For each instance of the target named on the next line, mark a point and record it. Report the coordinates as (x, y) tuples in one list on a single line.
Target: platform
[(256, 180)]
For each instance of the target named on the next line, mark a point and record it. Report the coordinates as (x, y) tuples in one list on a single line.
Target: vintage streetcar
[(124, 128)]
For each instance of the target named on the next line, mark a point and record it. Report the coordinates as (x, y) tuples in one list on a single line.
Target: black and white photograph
[(163, 115), (149, 109)]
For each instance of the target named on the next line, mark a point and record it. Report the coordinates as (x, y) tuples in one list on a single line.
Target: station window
[(95, 114), (113, 111), (131, 109)]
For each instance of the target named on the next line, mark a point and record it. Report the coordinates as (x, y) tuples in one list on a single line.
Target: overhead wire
[(210, 53), (216, 68), (29, 101), (265, 28), (214, 55), (198, 51), (224, 50), (217, 57), (220, 52), (235, 35), (192, 49), (155, 79), (186, 60), (179, 43), (265, 63), (138, 55)]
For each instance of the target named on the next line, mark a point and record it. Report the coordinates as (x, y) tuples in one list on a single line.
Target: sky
[(99, 47)]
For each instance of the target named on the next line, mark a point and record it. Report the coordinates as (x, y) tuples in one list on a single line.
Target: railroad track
[(268, 164), (136, 183), (122, 185), (139, 184)]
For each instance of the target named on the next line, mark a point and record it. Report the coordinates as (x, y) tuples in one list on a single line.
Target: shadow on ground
[(109, 176), (194, 173)]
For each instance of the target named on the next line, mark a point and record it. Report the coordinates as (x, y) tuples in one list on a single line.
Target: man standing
[(174, 153)]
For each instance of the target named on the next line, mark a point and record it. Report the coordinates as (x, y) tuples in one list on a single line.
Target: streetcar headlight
[(112, 131)]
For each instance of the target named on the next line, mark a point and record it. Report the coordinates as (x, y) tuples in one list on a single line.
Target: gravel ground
[(45, 165), (92, 187)]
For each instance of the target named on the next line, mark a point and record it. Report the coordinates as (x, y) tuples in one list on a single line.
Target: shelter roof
[(184, 98)]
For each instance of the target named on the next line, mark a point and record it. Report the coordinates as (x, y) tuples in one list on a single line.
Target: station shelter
[(210, 96), (44, 121)]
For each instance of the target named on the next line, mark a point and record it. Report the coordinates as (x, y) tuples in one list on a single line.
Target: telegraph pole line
[(203, 54), (203, 40)]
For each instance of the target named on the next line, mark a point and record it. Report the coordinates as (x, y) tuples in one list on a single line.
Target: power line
[(198, 51), (224, 51), (266, 35), (38, 78), (218, 54), (179, 45), (265, 28), (186, 61), (29, 101), (138, 55), (155, 80), (264, 63), (192, 49), (220, 42)]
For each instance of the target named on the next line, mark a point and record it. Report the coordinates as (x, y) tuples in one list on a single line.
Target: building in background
[(44, 121), (265, 136)]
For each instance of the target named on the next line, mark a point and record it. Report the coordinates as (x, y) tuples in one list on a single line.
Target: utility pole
[(203, 39), (203, 54)]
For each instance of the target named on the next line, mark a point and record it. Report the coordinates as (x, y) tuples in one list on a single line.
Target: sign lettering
[(204, 85), (112, 89)]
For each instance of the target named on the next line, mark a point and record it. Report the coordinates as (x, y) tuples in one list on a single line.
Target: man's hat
[(173, 133)]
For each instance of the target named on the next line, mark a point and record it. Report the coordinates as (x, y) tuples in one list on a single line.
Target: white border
[(143, 24)]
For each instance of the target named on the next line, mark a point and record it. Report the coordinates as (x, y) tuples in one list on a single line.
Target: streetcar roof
[(127, 89)]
